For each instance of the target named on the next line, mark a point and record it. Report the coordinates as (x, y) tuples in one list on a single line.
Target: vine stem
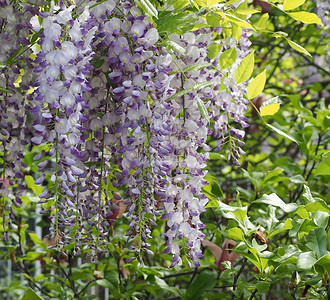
[(236, 278), (101, 177), (56, 191)]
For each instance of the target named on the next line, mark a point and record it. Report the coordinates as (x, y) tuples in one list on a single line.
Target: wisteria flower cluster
[(120, 121)]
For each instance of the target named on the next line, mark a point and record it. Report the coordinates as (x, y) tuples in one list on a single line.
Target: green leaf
[(306, 17), (319, 205), (297, 179), (317, 241), (204, 281), (262, 22), (170, 23), (202, 108), (176, 47), (270, 109), (246, 11), (22, 234), (164, 286), (213, 50), (80, 275), (213, 191), (2, 90), (256, 86), (37, 241), (147, 6), (282, 133), (227, 58), (196, 67), (324, 261), (203, 85), (281, 228), (180, 94), (298, 48), (307, 194), (274, 200), (233, 212), (31, 185), (10, 60), (324, 166), (236, 234), (306, 260), (31, 295), (31, 256), (236, 20), (292, 4), (245, 68)]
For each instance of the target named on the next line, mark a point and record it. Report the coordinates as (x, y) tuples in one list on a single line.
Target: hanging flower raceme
[(15, 73), (122, 124), (59, 107)]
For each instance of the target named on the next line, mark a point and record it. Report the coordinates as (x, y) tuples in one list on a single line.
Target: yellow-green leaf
[(257, 85), (237, 32), (298, 48), (245, 68), (246, 11), (236, 234), (292, 4), (227, 58), (30, 184), (233, 19), (306, 17), (262, 22), (269, 110), (212, 2)]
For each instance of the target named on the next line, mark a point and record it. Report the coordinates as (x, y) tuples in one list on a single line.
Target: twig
[(236, 278)]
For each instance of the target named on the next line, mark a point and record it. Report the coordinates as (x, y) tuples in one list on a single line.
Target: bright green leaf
[(246, 11), (269, 110), (319, 205), (227, 58), (213, 50), (292, 4), (298, 48), (324, 166), (306, 17), (262, 22), (31, 185), (31, 295), (22, 234), (35, 239), (245, 68), (236, 234), (257, 85)]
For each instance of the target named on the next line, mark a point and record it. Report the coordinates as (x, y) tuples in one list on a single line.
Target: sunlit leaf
[(269, 110), (257, 85), (306, 17), (245, 69), (227, 58), (292, 4)]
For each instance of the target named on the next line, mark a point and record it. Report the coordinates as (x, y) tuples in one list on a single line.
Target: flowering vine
[(121, 121)]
